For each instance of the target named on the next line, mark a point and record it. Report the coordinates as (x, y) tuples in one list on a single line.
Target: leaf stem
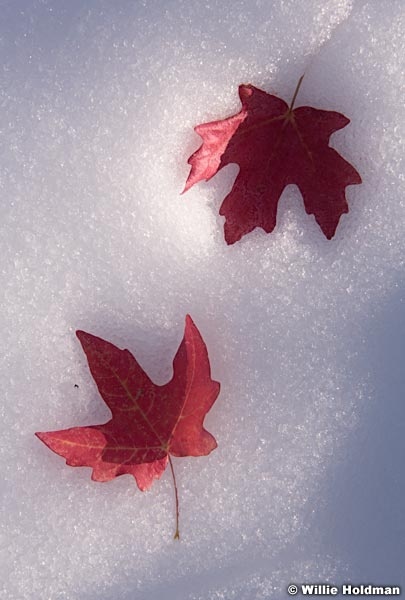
[(296, 93), (177, 532)]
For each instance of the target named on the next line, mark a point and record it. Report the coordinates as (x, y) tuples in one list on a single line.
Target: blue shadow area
[(362, 519)]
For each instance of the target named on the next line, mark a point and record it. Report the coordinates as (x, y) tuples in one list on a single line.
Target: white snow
[(98, 101)]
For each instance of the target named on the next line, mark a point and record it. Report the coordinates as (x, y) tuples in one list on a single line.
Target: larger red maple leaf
[(274, 146), (149, 422)]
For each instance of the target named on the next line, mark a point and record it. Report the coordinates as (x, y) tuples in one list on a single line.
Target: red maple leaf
[(274, 146), (149, 422)]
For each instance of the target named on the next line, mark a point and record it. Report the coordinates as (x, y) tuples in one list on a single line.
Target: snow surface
[(98, 103)]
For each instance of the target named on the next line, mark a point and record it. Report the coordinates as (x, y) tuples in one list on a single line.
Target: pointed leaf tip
[(84, 338), (189, 321)]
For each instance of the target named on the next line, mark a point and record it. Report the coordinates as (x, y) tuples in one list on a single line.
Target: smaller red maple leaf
[(149, 422), (274, 146)]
